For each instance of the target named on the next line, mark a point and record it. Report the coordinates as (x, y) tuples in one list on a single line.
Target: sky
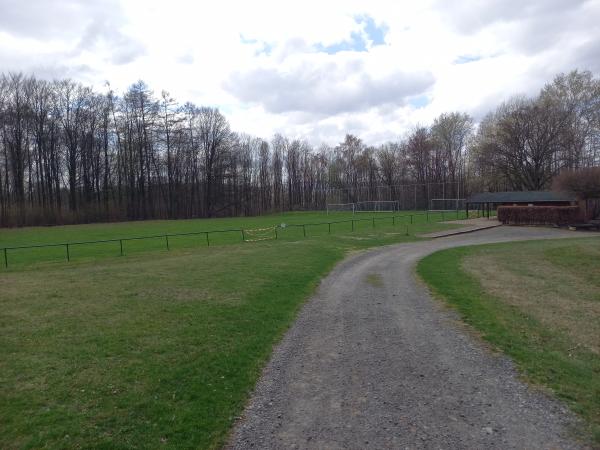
[(314, 70)]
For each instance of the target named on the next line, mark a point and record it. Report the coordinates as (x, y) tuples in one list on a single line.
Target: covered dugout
[(488, 201)]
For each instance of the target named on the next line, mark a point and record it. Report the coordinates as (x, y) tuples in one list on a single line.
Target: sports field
[(95, 241), (158, 348)]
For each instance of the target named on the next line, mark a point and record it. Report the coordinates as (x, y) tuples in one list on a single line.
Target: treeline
[(70, 154)]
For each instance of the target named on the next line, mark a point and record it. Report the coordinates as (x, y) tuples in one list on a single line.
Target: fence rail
[(442, 215)]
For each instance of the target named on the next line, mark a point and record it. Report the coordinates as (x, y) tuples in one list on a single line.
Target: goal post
[(446, 204), (340, 207), (369, 206), (377, 206), (259, 234)]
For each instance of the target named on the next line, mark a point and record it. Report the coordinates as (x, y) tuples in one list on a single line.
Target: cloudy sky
[(309, 69)]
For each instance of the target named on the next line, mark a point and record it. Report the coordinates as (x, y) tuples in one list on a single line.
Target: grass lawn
[(316, 221), (158, 348), (539, 302)]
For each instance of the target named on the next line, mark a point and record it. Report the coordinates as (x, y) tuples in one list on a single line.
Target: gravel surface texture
[(374, 362)]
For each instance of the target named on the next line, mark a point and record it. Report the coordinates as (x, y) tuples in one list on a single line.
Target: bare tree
[(523, 137), (214, 135), (451, 133), (577, 96)]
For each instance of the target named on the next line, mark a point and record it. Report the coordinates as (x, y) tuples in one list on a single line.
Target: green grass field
[(539, 302), (75, 234), (158, 348)]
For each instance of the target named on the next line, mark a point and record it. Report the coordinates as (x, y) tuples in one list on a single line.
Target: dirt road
[(374, 362)]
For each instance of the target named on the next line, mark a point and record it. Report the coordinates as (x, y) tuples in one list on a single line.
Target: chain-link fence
[(409, 196)]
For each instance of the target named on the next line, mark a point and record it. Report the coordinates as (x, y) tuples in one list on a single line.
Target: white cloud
[(326, 85), (295, 67)]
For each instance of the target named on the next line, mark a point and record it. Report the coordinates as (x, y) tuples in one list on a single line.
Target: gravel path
[(374, 362)]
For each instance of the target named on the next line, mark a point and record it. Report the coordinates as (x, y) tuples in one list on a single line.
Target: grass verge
[(538, 302)]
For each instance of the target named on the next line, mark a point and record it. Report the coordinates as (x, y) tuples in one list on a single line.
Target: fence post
[(121, 245), (68, 255), (5, 258), (167, 241), (207, 241), (304, 229)]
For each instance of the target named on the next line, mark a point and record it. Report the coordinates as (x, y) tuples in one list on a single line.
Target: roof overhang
[(522, 197)]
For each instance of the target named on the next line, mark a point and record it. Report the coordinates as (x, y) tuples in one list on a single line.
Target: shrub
[(539, 215), (585, 183)]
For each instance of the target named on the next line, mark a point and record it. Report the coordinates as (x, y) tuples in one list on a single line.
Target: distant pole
[(5, 259), (304, 230), (68, 255), (415, 191), (167, 241), (207, 241), (329, 228), (244, 236), (121, 245), (352, 224)]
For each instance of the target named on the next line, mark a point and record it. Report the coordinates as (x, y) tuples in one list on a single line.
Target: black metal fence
[(393, 219)]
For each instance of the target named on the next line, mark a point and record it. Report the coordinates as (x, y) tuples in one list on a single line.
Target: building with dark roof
[(491, 200)]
